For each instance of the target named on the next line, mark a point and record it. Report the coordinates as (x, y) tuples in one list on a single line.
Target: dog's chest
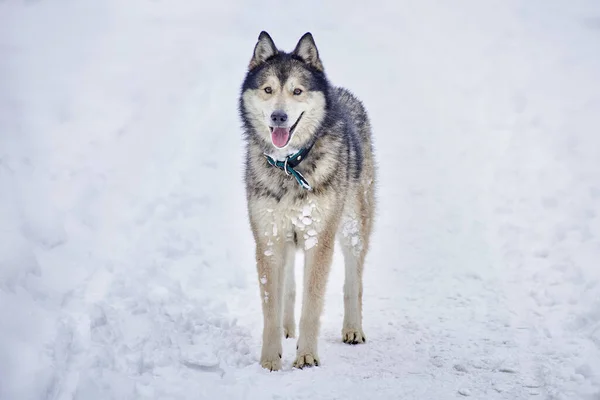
[(298, 220)]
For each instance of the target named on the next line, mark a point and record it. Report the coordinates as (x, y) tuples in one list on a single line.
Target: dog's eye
[(268, 90), (297, 92)]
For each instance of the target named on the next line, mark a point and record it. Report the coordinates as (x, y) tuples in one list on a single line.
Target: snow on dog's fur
[(287, 105)]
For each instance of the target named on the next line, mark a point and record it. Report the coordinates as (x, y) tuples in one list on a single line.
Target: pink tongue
[(280, 136)]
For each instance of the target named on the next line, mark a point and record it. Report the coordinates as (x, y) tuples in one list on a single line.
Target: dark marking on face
[(283, 65)]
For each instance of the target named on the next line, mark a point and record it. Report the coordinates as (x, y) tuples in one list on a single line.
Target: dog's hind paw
[(289, 331), (271, 365), (306, 360), (353, 336)]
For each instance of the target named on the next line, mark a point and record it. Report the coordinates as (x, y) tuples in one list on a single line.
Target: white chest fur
[(280, 221)]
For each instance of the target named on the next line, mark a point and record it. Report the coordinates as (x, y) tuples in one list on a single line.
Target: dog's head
[(284, 95)]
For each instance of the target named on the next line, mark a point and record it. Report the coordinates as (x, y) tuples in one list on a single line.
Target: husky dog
[(310, 176)]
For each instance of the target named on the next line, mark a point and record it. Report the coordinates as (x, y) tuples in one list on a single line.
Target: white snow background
[(126, 260)]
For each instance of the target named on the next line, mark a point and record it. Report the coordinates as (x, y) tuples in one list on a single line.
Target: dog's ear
[(306, 49), (264, 49)]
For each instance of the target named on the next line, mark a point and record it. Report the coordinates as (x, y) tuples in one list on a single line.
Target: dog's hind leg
[(289, 297)]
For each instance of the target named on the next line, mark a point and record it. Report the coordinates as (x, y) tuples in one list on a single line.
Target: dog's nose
[(278, 117)]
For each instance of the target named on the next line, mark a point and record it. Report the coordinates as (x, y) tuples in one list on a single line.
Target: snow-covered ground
[(126, 259)]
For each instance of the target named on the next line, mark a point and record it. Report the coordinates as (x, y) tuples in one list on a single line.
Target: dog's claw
[(306, 360), (271, 365), (352, 336), (289, 332)]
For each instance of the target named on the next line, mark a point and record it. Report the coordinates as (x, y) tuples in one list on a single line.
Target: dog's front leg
[(316, 272), (270, 258)]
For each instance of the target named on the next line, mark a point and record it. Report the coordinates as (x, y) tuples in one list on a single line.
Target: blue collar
[(290, 163)]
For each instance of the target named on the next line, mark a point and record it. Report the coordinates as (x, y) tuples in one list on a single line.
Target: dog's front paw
[(353, 336), (271, 356), (289, 331), (306, 360), (271, 364)]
